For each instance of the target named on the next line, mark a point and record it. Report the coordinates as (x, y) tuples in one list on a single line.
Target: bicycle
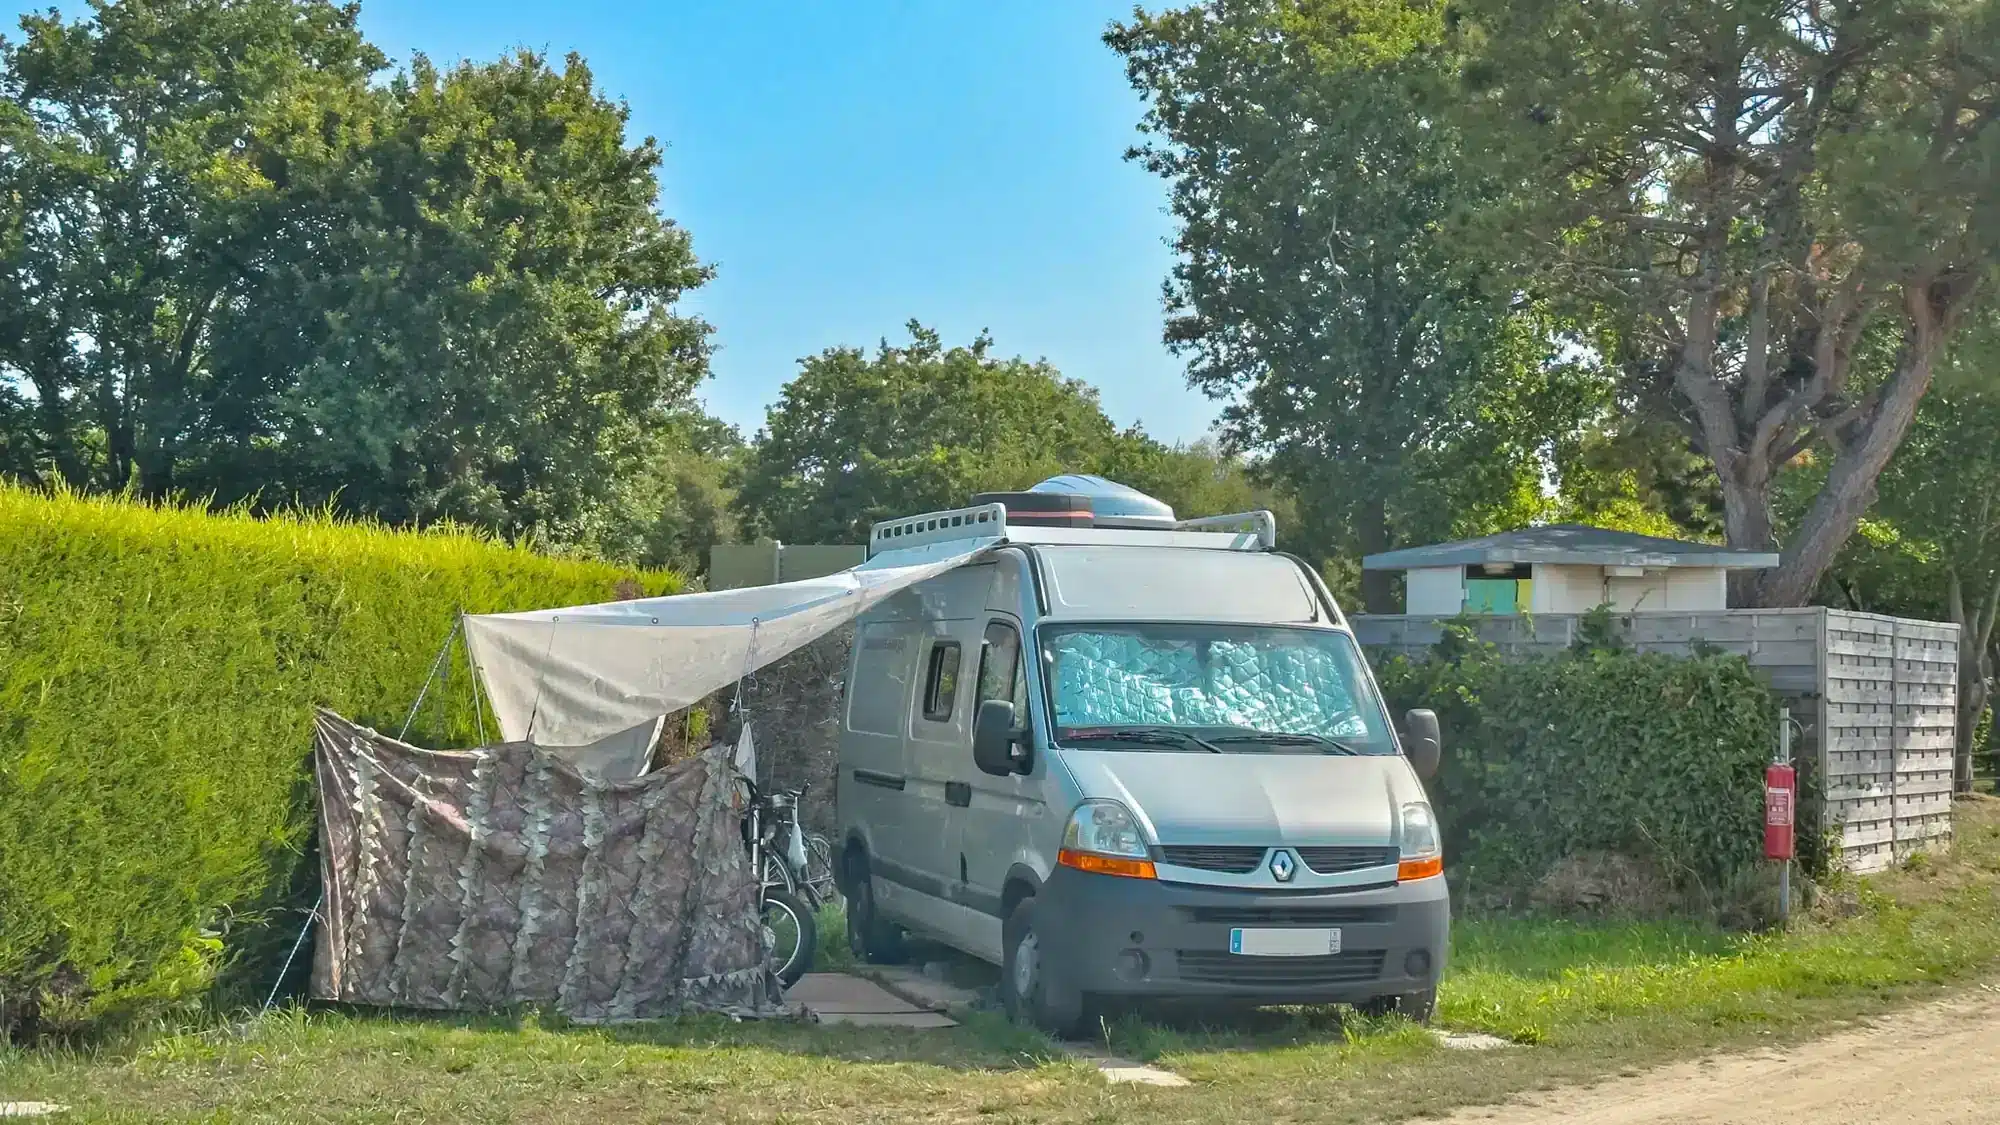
[(787, 900), (819, 867)]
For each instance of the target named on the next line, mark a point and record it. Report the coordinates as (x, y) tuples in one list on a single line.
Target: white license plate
[(1284, 943)]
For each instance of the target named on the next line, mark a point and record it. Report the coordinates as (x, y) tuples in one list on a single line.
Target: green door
[(1492, 595)]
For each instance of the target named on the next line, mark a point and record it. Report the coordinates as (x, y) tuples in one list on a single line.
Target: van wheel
[(868, 936), (1417, 1007), (1027, 992)]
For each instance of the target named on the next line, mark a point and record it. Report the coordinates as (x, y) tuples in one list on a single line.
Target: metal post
[(1785, 872), (444, 653)]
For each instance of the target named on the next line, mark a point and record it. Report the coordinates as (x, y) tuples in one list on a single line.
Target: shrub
[(1595, 750), (158, 671)]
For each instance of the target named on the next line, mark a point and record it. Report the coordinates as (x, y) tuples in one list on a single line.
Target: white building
[(1566, 569)]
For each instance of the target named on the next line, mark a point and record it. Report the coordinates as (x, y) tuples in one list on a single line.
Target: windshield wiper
[(1151, 736), (1279, 738)]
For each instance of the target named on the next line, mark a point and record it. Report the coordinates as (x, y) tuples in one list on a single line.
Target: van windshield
[(1208, 687)]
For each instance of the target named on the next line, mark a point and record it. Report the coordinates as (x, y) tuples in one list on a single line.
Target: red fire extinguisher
[(1780, 789)]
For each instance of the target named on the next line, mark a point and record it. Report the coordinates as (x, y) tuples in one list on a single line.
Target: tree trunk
[(58, 432), (156, 474), (1378, 587), (1975, 693), (1850, 485), (118, 449), (1746, 521), (1976, 624)]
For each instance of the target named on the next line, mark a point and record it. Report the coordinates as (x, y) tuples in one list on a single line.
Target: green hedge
[(1642, 755), (158, 670)]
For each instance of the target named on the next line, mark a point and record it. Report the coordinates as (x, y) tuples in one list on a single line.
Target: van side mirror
[(997, 744), (1422, 742)]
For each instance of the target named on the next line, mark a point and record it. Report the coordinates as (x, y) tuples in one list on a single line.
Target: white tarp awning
[(567, 677)]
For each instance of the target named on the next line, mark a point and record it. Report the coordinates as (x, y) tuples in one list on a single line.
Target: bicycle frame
[(764, 844)]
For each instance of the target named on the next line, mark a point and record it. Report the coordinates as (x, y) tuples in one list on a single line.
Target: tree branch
[(1757, 353), (1931, 306), (1992, 615), (190, 333)]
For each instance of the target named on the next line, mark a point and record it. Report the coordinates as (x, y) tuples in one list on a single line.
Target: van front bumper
[(1144, 939)]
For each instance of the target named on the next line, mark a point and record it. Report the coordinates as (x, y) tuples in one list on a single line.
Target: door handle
[(958, 793), (879, 780)]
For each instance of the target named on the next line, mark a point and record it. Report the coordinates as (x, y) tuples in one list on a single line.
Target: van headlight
[(1103, 837), (1423, 848)]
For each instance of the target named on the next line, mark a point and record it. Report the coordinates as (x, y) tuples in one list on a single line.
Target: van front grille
[(1352, 966), (1228, 860), (1333, 861), (1292, 915), (1236, 860)]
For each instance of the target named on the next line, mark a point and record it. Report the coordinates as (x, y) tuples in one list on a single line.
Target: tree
[(1634, 473), (147, 155), (1396, 386), (1781, 211), (670, 510), (1943, 490), (1931, 547), (1197, 479), (854, 439), (252, 272), (489, 333)]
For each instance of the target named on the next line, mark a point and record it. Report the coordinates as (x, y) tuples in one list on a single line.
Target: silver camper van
[(1130, 758)]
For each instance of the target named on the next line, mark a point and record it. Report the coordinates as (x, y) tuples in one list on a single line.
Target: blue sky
[(848, 166)]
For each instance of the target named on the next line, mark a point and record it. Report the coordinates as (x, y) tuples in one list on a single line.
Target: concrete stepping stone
[(1120, 1070), (840, 998), (922, 988), (1470, 1041)]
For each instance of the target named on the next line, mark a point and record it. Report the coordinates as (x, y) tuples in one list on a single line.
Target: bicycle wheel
[(791, 934)]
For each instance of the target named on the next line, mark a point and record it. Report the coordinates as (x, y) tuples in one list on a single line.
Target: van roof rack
[(1241, 531)]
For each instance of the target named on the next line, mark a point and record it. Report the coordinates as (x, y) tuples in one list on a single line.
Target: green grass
[(1583, 1000)]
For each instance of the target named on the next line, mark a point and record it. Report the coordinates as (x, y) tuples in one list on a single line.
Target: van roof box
[(1077, 509)]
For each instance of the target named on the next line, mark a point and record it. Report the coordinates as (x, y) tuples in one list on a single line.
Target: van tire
[(1028, 994), (1417, 1007), (869, 937)]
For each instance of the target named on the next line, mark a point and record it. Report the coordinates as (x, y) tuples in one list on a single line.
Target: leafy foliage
[(158, 670), (1398, 386), (1778, 215), (1944, 487), (241, 268), (1593, 750), (854, 439), (1639, 475), (1932, 546)]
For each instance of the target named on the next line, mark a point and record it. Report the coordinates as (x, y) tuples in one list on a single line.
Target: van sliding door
[(997, 821)]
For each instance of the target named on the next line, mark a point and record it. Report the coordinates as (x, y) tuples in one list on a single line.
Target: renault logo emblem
[(1282, 866)]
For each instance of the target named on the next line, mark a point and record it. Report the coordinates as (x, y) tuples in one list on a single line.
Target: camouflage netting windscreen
[(471, 880)]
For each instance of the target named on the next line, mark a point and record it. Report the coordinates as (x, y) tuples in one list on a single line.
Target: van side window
[(941, 684), (878, 702), (1000, 664)]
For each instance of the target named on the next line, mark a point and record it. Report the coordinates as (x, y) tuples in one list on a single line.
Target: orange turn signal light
[(1106, 865), (1419, 868)]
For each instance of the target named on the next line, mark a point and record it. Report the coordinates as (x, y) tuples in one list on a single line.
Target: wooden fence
[(732, 566), (1876, 696)]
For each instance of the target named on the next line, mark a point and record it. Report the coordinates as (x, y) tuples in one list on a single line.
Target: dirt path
[(1935, 1065)]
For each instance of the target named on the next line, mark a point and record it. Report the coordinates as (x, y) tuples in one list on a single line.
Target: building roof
[(1571, 545)]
